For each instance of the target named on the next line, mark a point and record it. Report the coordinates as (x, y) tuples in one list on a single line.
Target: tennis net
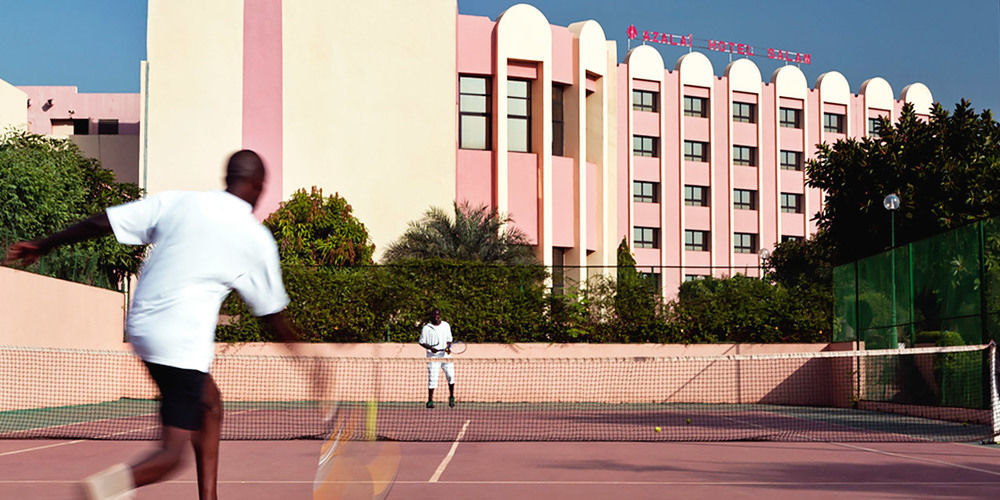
[(937, 394)]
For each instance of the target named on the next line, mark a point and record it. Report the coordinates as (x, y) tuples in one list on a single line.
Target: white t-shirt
[(436, 336), (204, 244)]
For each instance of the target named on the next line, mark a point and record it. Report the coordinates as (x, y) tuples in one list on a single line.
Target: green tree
[(316, 230), (744, 309), (636, 298), (321, 244), (47, 184), (476, 234), (946, 171)]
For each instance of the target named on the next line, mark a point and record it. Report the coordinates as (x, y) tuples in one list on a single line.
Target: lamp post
[(764, 254), (891, 203)]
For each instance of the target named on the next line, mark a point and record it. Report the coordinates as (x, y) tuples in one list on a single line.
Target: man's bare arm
[(285, 330), (28, 252)]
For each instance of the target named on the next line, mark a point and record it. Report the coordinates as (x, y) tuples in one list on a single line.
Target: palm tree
[(476, 234)]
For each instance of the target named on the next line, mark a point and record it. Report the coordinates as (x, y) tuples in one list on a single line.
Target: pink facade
[(104, 126), (753, 200), (262, 93), (48, 106)]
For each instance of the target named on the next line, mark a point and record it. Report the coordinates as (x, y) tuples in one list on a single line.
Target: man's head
[(436, 316), (245, 175)]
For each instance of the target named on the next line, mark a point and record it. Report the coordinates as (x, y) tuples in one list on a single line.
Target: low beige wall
[(40, 311)]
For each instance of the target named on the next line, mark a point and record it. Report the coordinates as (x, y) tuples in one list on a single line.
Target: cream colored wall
[(192, 104), (13, 107), (118, 153), (370, 107), (40, 311)]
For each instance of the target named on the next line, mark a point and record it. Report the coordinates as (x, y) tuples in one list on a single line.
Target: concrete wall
[(315, 87), (118, 153), (370, 106), (65, 103), (192, 93), (13, 112), (47, 312)]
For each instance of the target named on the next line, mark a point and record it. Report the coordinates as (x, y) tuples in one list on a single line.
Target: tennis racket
[(352, 463), (457, 347)]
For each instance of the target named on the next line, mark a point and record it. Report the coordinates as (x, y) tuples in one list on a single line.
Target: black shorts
[(181, 389)]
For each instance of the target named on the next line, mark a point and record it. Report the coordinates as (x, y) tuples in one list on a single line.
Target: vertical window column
[(474, 112), (558, 125), (519, 116)]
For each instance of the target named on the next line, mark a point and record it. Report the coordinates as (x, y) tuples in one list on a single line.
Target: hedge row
[(486, 303)]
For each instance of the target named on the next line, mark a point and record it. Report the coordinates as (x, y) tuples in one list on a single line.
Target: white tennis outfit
[(205, 244), (437, 336)]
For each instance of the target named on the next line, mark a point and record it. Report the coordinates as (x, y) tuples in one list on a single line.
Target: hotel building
[(400, 106)]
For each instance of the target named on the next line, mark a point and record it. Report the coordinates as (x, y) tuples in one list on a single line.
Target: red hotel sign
[(743, 49)]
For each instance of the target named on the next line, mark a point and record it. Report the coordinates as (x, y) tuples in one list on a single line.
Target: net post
[(994, 398)]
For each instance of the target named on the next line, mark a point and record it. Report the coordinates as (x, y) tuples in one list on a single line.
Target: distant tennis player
[(204, 244), (436, 338)]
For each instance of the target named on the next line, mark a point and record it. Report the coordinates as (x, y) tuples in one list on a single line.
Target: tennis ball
[(657, 429), (688, 421)]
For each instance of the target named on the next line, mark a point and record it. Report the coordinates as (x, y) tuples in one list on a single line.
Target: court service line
[(105, 436), (888, 453), (451, 453), (53, 445), (916, 458)]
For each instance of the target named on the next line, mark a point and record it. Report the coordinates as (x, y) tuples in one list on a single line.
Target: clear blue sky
[(951, 46)]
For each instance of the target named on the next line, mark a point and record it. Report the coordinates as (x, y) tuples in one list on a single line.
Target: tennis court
[(816, 424), (43, 469)]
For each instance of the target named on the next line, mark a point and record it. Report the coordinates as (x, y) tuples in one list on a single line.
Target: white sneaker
[(114, 483)]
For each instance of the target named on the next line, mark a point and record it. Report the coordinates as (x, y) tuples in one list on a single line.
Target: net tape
[(939, 394)]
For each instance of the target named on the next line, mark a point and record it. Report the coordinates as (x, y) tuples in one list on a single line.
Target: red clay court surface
[(47, 469)]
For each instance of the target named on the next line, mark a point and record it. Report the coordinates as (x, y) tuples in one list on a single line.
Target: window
[(107, 127), (644, 100), (696, 241), (695, 106), (694, 277), (474, 120), (695, 151), (696, 196), (646, 192), (652, 279), (646, 237), (790, 118), (82, 126), (744, 112), (519, 115), (874, 127), (645, 146), (745, 155), (791, 160), (744, 242), (744, 199), (558, 142), (786, 237), (791, 203), (833, 122)]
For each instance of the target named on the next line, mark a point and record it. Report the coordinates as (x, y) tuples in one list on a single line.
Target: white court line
[(25, 450), (451, 453), (887, 453), (915, 458), (54, 445), (36, 448)]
